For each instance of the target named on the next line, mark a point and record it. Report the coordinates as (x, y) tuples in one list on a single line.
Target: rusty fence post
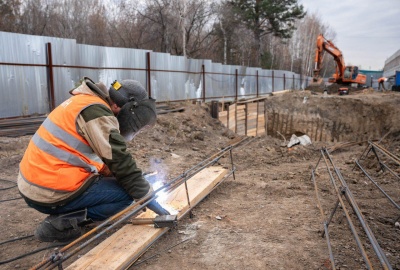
[(293, 84), (50, 78), (257, 83), (236, 85), (273, 82), (284, 81), (203, 68), (148, 73)]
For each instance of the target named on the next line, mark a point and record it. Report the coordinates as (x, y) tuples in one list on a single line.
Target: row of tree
[(272, 34)]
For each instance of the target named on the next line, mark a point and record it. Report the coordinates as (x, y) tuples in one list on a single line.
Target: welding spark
[(157, 181)]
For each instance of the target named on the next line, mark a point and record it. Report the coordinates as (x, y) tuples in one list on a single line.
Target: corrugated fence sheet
[(25, 74)]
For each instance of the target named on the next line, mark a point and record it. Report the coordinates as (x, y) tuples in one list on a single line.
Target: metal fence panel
[(265, 81), (23, 91), (25, 81)]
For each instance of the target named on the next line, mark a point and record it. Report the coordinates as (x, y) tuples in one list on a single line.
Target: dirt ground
[(265, 218)]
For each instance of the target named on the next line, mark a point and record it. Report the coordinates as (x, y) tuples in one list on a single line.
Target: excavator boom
[(326, 45), (344, 74)]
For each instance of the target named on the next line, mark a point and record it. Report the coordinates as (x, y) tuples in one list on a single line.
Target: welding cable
[(12, 199), (8, 181), (15, 239), (31, 253)]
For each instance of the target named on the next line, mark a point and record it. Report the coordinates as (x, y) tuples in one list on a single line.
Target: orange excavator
[(344, 75)]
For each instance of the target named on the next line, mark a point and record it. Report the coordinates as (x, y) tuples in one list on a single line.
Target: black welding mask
[(135, 116), (138, 110)]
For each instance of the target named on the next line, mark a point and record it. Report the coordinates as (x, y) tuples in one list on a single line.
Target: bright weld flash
[(162, 196)]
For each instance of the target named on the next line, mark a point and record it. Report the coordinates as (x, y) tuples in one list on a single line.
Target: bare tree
[(305, 37), (160, 21), (34, 17), (9, 13), (195, 28)]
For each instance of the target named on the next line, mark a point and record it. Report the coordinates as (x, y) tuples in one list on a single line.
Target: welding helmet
[(138, 111)]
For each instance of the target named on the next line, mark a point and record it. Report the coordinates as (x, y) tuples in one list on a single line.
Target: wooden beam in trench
[(123, 247)]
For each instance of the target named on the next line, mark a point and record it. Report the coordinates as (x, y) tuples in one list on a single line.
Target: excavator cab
[(347, 73), (350, 73)]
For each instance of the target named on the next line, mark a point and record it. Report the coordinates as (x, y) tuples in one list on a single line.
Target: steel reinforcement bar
[(342, 190), (376, 148)]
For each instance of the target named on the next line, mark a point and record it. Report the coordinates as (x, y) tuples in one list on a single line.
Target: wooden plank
[(222, 114), (232, 117), (252, 107), (254, 99), (223, 117), (251, 119), (121, 248), (251, 132)]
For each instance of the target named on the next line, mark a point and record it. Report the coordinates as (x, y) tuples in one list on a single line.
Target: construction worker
[(76, 168), (381, 82)]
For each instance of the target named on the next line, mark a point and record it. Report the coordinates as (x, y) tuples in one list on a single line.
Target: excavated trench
[(366, 115)]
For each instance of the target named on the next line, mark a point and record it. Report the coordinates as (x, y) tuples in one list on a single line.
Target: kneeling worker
[(76, 168)]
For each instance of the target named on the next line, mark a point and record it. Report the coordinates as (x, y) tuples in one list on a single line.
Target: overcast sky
[(367, 31)]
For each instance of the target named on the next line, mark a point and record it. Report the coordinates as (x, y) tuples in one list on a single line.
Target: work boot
[(61, 228)]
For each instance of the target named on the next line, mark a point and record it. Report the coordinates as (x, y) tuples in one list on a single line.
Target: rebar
[(332, 259), (376, 184), (348, 218), (348, 195)]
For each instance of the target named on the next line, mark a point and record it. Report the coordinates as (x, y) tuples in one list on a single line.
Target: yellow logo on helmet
[(116, 85)]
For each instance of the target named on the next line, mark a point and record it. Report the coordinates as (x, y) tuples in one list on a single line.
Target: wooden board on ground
[(127, 244)]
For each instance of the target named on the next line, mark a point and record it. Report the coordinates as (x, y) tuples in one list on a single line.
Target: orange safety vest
[(58, 157)]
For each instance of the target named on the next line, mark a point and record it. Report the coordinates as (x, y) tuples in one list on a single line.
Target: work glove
[(157, 208)]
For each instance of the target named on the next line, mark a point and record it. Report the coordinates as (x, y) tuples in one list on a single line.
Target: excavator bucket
[(317, 85), (317, 82)]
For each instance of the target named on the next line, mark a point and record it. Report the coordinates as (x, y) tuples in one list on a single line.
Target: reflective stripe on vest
[(58, 157), (71, 141)]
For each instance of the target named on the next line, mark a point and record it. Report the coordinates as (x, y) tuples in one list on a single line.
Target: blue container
[(397, 82)]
